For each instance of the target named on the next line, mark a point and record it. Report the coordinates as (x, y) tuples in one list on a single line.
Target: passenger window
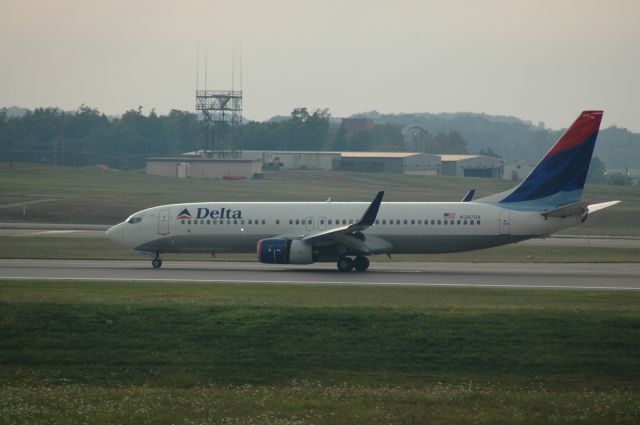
[(277, 221), (377, 221), (189, 222), (321, 221), (302, 221), (229, 222), (440, 223), (465, 222), (264, 221), (458, 222), (242, 222), (405, 222), (290, 221), (471, 222), (330, 222), (311, 221), (446, 222), (181, 221), (419, 221), (433, 222), (384, 221), (214, 221), (235, 222), (344, 221), (390, 222), (398, 222), (478, 222), (297, 221)]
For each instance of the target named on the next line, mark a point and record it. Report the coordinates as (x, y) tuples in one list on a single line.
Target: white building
[(204, 168), (516, 170), (470, 166)]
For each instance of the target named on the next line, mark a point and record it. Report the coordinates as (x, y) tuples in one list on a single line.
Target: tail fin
[(559, 177)]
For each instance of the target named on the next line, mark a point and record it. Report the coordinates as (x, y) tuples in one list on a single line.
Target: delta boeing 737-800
[(548, 200)]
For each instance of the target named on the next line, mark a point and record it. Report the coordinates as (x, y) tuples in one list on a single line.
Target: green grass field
[(100, 196), (113, 352)]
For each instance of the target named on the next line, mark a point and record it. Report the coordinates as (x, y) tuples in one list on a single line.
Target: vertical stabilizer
[(559, 177)]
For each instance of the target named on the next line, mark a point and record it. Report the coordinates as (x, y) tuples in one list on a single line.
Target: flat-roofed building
[(204, 168), (470, 166), (298, 160), (390, 162), (516, 170)]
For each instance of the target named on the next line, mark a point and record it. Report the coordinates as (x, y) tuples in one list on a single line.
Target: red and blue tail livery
[(559, 177)]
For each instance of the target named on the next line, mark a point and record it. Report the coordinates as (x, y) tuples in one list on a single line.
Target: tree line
[(88, 136)]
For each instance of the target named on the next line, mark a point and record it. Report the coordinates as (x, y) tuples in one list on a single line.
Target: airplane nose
[(113, 232)]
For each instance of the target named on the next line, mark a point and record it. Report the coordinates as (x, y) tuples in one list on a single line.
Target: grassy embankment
[(190, 353)]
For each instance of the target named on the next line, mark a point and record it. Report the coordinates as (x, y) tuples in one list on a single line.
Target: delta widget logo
[(184, 215)]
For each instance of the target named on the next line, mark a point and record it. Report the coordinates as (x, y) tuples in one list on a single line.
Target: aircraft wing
[(351, 235), (368, 219)]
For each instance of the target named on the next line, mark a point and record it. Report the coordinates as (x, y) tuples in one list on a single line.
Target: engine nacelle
[(285, 251)]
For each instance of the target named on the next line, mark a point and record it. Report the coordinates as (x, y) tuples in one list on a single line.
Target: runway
[(583, 276)]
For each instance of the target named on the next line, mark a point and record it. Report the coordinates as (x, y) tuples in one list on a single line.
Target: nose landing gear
[(156, 262)]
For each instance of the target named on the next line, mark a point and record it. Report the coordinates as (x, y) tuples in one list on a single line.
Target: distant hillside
[(514, 138)]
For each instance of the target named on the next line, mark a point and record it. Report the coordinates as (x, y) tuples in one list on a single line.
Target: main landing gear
[(156, 262), (346, 264)]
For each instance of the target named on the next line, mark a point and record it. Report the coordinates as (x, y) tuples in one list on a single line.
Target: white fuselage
[(400, 227)]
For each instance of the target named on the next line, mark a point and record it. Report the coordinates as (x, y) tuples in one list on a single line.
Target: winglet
[(371, 213), (469, 196)]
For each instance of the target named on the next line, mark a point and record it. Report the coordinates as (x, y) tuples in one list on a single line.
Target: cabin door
[(505, 222), (163, 222)]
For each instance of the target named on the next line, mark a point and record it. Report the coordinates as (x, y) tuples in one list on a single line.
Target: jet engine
[(285, 251)]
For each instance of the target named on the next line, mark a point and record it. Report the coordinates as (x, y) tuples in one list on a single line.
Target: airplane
[(347, 233)]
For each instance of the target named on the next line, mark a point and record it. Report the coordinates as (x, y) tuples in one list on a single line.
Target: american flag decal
[(449, 216)]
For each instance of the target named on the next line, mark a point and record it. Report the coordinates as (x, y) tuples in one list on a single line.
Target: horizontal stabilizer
[(597, 207), (578, 208)]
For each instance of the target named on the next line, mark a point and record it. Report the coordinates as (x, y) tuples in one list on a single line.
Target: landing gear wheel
[(156, 262), (361, 263), (345, 264)]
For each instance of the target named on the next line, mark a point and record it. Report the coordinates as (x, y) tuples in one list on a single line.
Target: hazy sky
[(543, 60)]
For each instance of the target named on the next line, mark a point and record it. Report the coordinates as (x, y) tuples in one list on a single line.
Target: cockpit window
[(134, 220)]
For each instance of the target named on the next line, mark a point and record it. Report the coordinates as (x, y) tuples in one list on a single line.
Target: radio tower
[(221, 115)]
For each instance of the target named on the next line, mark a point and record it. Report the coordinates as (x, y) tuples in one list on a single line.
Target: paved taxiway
[(529, 275)]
